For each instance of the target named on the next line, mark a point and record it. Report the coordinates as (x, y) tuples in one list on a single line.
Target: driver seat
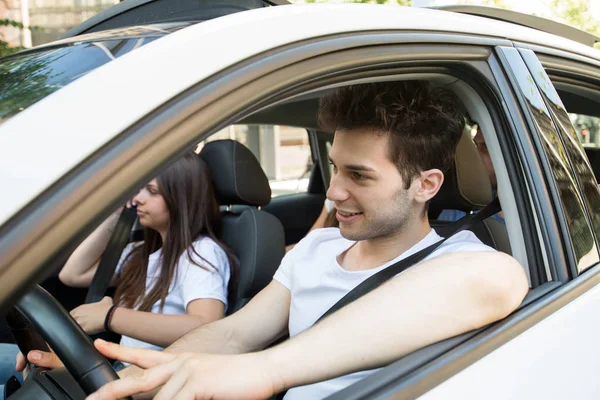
[(467, 188), (256, 237)]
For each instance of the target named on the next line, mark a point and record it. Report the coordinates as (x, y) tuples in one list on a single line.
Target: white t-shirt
[(316, 286), (190, 282)]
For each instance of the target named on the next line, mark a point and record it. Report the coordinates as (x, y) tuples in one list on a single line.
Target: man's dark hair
[(424, 123)]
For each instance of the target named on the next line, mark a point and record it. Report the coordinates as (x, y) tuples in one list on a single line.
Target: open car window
[(284, 153)]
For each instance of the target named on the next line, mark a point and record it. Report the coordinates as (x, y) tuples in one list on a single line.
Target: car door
[(151, 128), (561, 347), (169, 130)]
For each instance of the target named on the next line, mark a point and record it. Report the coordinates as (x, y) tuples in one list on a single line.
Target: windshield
[(31, 76)]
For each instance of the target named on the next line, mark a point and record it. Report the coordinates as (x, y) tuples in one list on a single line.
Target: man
[(392, 143), (455, 215)]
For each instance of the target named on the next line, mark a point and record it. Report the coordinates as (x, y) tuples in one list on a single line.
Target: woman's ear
[(430, 182)]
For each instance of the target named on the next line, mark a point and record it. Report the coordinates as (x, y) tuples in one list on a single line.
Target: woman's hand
[(129, 204), (42, 359), (91, 316)]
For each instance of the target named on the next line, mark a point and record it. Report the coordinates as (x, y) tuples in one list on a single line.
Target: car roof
[(128, 32), (143, 12), (134, 78), (531, 21)]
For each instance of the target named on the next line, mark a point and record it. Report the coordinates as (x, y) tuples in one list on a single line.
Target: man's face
[(367, 188), (485, 157)]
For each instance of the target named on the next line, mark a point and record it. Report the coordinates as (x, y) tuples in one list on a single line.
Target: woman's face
[(152, 208)]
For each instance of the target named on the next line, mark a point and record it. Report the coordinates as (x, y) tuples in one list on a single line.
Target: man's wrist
[(276, 370)]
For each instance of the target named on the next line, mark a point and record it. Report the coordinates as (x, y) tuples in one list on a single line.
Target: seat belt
[(380, 277), (111, 256)]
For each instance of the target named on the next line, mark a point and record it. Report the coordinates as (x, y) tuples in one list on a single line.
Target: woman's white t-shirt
[(316, 282), (191, 282)]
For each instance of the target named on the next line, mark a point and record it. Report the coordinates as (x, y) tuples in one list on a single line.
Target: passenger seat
[(256, 237), (467, 188)]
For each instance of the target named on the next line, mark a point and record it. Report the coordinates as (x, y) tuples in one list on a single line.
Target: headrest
[(466, 185), (237, 174)]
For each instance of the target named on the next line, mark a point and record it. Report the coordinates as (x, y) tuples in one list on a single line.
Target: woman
[(180, 277)]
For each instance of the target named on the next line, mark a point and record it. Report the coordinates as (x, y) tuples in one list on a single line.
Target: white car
[(86, 119)]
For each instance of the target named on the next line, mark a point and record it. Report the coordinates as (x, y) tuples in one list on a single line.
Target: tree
[(5, 49), (575, 13), (26, 79)]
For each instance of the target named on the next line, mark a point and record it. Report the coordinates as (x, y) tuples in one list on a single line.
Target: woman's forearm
[(76, 271), (159, 329)]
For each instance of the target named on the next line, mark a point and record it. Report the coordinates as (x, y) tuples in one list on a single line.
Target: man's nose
[(337, 192)]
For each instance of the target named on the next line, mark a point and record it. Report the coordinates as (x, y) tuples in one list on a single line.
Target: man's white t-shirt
[(190, 282), (316, 282)]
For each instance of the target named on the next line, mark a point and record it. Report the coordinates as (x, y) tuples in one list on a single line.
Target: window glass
[(283, 152), (559, 161), (27, 78), (587, 129)]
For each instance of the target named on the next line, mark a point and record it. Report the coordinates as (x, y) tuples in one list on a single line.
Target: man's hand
[(91, 316), (187, 375), (38, 358)]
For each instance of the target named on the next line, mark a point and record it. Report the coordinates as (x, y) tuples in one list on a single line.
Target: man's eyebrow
[(355, 167), (359, 167)]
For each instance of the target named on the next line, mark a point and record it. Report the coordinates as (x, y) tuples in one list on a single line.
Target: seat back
[(256, 237), (467, 188)]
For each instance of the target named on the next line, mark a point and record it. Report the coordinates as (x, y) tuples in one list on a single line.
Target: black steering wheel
[(37, 312), (87, 369)]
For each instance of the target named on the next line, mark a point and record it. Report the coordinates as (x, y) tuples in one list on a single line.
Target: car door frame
[(177, 126)]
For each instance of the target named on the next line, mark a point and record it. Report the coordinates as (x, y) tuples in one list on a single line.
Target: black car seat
[(467, 188), (256, 236)]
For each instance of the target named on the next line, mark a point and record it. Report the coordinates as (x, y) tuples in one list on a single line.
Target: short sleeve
[(463, 241), (284, 272), (304, 251), (207, 277), (126, 252)]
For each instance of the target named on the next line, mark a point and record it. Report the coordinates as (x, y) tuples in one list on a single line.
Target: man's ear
[(430, 182)]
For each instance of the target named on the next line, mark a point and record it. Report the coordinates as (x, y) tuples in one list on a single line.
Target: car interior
[(258, 226)]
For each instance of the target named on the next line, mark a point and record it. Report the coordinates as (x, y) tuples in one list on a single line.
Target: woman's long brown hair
[(187, 188)]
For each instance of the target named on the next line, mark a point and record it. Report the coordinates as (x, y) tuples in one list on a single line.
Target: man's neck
[(372, 253)]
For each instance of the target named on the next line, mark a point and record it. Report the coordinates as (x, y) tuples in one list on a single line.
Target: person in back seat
[(180, 277), (455, 215), (393, 141)]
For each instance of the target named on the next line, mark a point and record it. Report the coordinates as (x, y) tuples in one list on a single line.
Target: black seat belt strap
[(377, 279), (110, 258)]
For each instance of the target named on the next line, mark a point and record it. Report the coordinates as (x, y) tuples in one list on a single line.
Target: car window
[(587, 128), (27, 78), (543, 108), (283, 152)]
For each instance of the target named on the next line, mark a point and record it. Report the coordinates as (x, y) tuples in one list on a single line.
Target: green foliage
[(23, 81), (5, 49), (575, 13)]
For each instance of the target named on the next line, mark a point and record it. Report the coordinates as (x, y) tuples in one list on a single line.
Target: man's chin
[(351, 233)]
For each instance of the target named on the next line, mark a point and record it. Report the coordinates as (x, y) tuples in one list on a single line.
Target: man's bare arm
[(441, 298), (260, 322), (437, 299)]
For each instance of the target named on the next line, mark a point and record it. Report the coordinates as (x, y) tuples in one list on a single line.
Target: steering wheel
[(89, 369), (37, 312)]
